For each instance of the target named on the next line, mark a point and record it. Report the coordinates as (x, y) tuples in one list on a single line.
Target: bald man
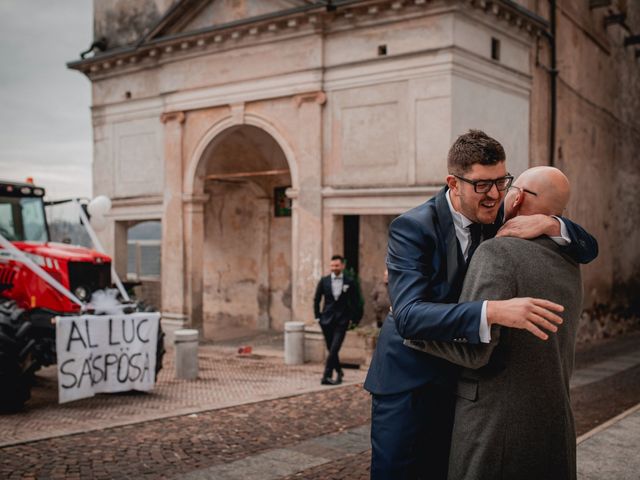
[(513, 417)]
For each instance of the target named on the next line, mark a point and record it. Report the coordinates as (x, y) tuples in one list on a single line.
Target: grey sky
[(45, 121)]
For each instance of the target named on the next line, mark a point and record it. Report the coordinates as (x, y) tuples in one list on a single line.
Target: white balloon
[(99, 205), (98, 222)]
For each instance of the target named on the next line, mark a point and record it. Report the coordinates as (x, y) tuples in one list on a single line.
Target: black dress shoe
[(339, 379), (327, 381)]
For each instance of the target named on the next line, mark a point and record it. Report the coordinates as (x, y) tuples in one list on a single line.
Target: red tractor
[(28, 303)]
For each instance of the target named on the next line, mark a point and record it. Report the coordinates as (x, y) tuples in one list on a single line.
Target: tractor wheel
[(15, 381)]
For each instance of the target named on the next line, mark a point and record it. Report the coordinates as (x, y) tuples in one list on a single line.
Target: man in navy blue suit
[(428, 253)]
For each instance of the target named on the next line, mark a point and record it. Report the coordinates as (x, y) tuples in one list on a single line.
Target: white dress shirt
[(336, 285)]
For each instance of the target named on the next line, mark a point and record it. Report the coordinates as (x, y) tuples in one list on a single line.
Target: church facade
[(266, 136)]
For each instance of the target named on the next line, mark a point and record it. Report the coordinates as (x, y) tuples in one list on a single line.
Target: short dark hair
[(338, 257), (473, 147)]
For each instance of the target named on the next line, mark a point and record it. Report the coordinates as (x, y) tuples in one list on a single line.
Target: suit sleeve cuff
[(485, 332), (563, 240)]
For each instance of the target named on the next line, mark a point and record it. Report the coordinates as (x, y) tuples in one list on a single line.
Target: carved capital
[(172, 117), (318, 97)]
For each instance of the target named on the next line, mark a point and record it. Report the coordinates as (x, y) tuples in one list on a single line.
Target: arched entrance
[(247, 231)]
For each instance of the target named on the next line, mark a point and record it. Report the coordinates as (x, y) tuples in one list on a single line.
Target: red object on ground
[(245, 350)]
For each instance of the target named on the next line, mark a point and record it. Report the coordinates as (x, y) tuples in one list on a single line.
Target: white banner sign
[(105, 353)]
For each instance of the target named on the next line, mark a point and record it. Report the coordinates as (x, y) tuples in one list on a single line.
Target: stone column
[(173, 272), (194, 240), (307, 207)]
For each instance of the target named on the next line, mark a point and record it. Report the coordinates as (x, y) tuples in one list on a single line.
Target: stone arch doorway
[(247, 232)]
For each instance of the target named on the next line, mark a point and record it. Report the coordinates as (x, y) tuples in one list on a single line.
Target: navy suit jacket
[(426, 272)]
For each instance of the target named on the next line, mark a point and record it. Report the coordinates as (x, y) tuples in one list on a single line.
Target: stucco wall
[(598, 140), (236, 259), (373, 252), (247, 262)]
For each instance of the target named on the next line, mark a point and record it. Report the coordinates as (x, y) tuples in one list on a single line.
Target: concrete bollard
[(186, 343), (315, 349), (293, 343)]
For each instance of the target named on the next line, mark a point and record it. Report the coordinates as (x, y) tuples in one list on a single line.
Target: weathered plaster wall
[(236, 259), (390, 119), (128, 152), (373, 252), (598, 140), (247, 260)]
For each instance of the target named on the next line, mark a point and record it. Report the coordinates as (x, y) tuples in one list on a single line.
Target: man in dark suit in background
[(429, 249), (341, 308)]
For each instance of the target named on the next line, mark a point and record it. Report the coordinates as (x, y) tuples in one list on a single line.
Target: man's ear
[(452, 183), (517, 202)]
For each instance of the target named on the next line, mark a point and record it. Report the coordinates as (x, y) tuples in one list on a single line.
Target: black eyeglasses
[(524, 190), (483, 186)]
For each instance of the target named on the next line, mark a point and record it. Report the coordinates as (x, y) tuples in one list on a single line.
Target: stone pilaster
[(173, 277), (307, 207), (193, 208)]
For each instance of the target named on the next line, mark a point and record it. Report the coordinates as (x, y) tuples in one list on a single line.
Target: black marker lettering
[(69, 374), (111, 342), (72, 338), (86, 327), (143, 340)]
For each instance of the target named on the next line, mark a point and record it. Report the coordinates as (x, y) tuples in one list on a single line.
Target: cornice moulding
[(307, 20), (332, 192)]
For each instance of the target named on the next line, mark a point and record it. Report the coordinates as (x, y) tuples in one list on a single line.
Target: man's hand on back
[(525, 313), (530, 226)]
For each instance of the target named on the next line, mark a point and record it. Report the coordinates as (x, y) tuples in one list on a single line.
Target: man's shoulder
[(504, 249), (504, 244)]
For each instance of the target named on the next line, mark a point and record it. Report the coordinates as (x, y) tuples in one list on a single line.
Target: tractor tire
[(15, 382)]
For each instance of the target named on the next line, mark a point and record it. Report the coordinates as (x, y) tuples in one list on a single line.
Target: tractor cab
[(22, 215), (23, 222)]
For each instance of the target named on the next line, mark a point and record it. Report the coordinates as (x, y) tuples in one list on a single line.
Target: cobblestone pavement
[(315, 435), (225, 379), (168, 447)]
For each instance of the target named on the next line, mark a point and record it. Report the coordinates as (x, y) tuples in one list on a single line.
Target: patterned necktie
[(476, 233)]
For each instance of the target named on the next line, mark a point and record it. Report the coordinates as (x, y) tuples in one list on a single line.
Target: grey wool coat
[(513, 413)]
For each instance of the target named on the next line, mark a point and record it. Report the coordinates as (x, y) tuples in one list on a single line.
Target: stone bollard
[(315, 349), (186, 343), (293, 343)]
